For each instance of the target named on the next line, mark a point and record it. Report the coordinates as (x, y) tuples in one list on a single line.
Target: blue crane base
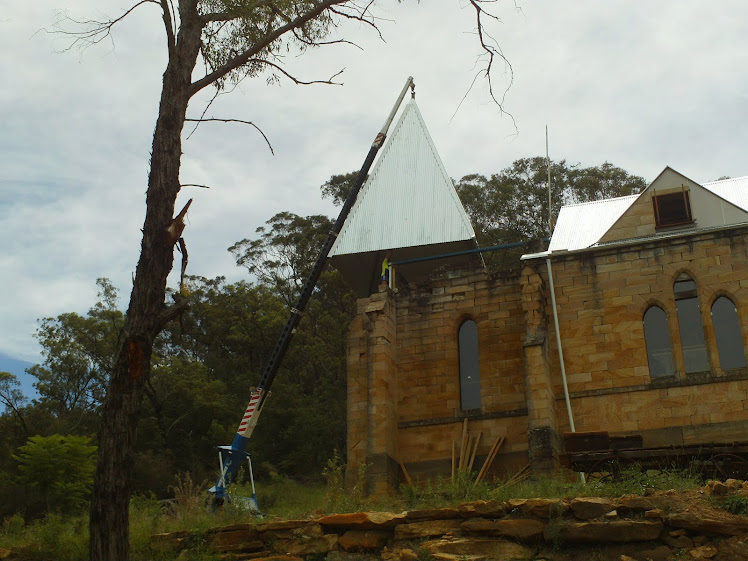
[(231, 459)]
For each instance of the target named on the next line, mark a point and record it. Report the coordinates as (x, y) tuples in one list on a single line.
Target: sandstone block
[(272, 558), (725, 525), (703, 552), (357, 540), (517, 528), (291, 531), (681, 541), (586, 508), (362, 520), (600, 532), (306, 546), (541, 508), (635, 503), (432, 514), (427, 529), (483, 548), (485, 509)]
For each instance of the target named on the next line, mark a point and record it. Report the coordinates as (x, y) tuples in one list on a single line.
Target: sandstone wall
[(403, 361), (602, 296)]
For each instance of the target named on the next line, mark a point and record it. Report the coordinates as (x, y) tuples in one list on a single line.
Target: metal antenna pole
[(548, 166)]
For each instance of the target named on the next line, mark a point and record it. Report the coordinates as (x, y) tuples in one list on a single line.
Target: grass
[(66, 537)]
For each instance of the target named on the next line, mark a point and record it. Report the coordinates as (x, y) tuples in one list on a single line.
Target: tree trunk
[(147, 313)]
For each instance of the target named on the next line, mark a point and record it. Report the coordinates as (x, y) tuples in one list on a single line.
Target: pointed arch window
[(469, 366), (692, 340), (727, 332), (657, 339)]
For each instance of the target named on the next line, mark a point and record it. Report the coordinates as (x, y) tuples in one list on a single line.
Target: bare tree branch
[(360, 17), (259, 45), (212, 119), (490, 48), (94, 31), (296, 80), (169, 26), (207, 106), (194, 185), (321, 43)]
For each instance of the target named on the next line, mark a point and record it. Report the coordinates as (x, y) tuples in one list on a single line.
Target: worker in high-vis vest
[(386, 268)]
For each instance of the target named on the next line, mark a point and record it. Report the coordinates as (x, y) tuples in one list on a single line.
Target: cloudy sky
[(640, 84)]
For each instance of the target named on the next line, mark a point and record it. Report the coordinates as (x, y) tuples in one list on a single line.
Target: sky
[(640, 84)]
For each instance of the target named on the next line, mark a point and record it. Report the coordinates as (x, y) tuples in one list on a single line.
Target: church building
[(632, 324)]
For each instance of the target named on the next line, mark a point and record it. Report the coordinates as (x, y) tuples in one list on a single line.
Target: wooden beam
[(489, 460), (405, 473), (462, 442), (475, 450)]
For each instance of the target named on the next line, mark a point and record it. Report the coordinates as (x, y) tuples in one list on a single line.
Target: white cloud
[(641, 85)]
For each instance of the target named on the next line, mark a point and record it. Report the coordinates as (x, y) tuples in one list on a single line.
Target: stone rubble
[(631, 528)]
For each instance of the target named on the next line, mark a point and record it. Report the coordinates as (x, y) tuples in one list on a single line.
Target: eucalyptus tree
[(512, 205), (235, 39)]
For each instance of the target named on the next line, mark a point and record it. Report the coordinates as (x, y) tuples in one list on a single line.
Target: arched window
[(469, 366), (727, 332), (689, 321), (657, 339)]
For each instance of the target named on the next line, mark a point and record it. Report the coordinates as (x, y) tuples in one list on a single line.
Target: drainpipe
[(561, 352), (558, 344)]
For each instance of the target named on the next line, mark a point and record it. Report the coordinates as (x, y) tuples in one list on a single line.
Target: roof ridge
[(597, 201), (716, 181)]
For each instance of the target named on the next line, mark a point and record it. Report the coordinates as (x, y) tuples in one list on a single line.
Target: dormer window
[(672, 209)]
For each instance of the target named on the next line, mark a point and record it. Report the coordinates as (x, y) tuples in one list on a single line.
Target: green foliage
[(78, 358), (243, 25), (286, 498), (12, 398), (443, 491), (736, 504), (512, 205), (63, 538), (338, 187), (60, 468), (334, 474), (283, 254), (632, 479)]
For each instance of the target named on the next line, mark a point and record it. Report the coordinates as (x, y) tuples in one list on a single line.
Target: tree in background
[(512, 205), (306, 416), (12, 398), (338, 187), (60, 468), (283, 255), (78, 356), (235, 39)]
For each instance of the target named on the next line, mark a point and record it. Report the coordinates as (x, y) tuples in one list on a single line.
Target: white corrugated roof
[(582, 225), (733, 190), (408, 199)]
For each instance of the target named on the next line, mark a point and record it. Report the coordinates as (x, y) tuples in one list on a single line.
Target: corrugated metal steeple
[(408, 208)]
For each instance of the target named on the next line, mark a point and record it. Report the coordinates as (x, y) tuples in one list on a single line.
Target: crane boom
[(231, 457)]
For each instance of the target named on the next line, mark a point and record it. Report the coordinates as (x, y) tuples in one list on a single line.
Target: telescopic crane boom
[(231, 457)]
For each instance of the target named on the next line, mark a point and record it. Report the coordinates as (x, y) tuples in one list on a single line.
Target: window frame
[(667, 198), (656, 352), (721, 336), (469, 342), (693, 341)]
